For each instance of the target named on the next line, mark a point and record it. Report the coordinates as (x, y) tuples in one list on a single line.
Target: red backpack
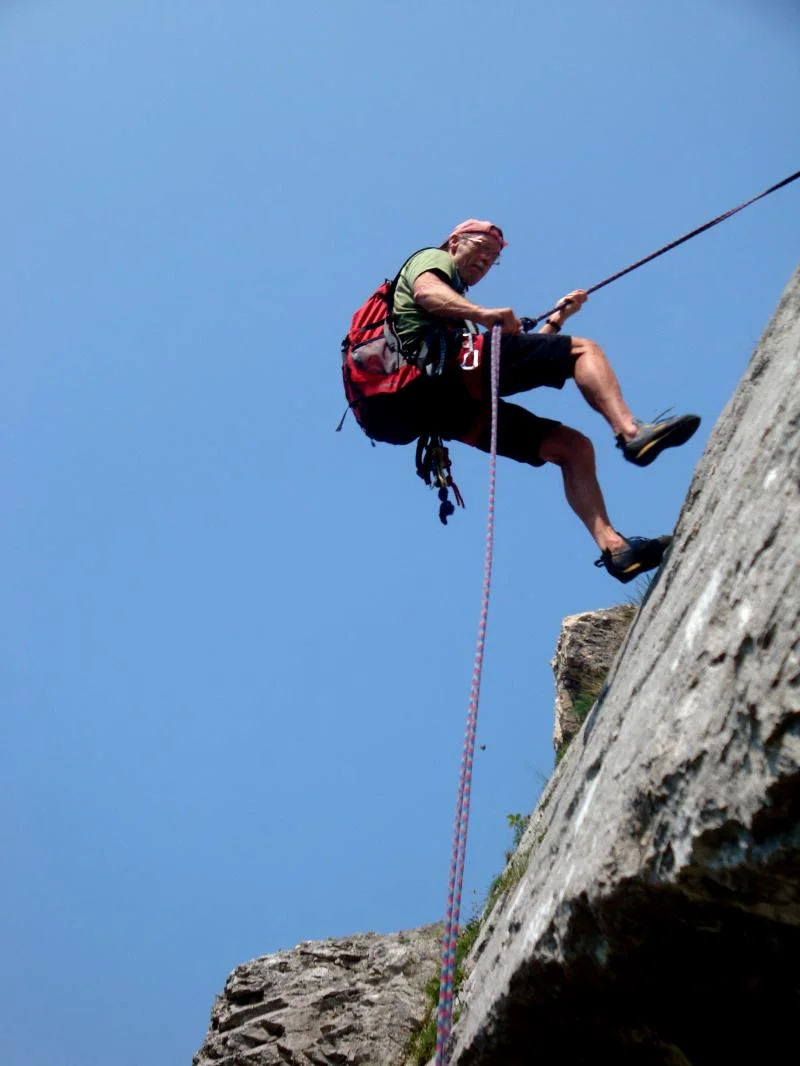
[(373, 361)]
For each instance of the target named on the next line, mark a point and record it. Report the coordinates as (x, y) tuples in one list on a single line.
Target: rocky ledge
[(586, 648), (348, 1002)]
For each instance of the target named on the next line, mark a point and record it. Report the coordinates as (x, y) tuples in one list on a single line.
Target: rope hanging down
[(529, 323), (444, 1020)]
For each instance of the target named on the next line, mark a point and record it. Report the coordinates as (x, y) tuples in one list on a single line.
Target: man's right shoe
[(653, 437), (637, 557)]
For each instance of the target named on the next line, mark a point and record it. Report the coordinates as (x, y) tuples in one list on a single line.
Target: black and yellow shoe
[(637, 557), (653, 437)]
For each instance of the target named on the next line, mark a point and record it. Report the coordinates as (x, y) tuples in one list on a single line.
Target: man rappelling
[(416, 366)]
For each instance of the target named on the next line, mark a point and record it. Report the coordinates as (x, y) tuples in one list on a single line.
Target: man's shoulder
[(428, 259)]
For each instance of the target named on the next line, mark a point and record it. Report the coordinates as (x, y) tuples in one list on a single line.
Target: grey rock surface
[(348, 1002), (587, 645), (658, 918)]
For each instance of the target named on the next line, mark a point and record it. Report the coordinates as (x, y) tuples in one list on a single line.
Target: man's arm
[(438, 298)]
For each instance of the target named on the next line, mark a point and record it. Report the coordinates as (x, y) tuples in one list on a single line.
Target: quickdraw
[(433, 466)]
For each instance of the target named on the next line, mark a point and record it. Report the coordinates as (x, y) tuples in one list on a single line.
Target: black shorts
[(456, 405)]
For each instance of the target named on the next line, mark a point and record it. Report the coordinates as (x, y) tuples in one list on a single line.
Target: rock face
[(585, 651), (327, 1003), (658, 919)]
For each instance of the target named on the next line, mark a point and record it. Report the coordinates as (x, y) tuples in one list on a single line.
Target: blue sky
[(236, 646)]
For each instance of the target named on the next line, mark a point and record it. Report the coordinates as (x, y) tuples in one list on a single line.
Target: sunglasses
[(482, 243)]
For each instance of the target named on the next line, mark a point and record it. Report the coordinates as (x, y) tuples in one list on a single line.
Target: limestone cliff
[(658, 919)]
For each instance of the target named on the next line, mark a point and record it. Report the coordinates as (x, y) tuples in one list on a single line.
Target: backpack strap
[(390, 309)]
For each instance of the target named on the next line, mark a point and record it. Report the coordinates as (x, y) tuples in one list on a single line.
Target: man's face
[(474, 256)]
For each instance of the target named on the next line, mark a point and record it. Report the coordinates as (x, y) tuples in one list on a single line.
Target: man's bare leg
[(574, 453), (600, 388)]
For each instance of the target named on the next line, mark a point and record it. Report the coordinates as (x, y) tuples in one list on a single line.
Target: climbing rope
[(529, 323), (444, 1019)]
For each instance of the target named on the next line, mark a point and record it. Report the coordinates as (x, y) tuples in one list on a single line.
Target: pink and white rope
[(444, 1021)]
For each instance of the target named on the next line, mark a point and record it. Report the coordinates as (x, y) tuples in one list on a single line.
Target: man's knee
[(584, 346), (564, 446)]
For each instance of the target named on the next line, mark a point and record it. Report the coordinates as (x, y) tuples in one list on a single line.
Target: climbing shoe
[(653, 437), (638, 556)]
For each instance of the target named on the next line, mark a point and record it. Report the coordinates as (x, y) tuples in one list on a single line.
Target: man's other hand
[(570, 304)]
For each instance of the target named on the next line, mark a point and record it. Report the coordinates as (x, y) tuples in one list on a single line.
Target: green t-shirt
[(412, 322)]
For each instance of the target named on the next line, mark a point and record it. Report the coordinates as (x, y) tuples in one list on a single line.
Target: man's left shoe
[(653, 437), (637, 557)]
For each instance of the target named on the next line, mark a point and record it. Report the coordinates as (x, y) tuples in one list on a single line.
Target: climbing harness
[(444, 1020), (433, 466), (529, 323)]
